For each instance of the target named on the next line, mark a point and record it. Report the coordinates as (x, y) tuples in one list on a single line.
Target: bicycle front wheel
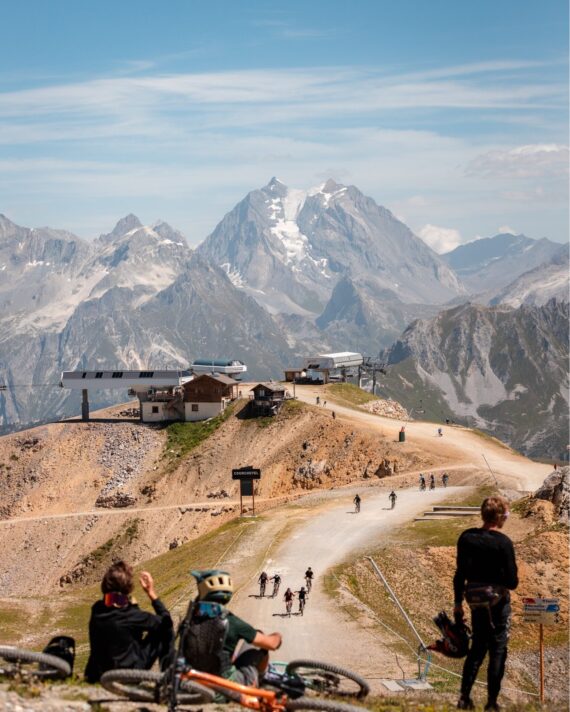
[(149, 686), (27, 663), (327, 679), (314, 703)]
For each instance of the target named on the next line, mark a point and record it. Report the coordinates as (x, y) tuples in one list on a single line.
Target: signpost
[(544, 611), (246, 475)]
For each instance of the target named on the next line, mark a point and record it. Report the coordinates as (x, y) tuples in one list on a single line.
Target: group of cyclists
[(357, 501), (422, 480), (289, 595)]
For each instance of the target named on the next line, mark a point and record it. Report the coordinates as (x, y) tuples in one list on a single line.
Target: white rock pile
[(387, 408)]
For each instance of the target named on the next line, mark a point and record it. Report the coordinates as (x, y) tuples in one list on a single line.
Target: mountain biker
[(422, 482), (121, 635), (432, 481), (276, 578), (445, 479), (440, 432), (392, 497), (309, 577), (262, 581), (213, 633), (486, 572), (288, 597), (302, 595), (357, 502)]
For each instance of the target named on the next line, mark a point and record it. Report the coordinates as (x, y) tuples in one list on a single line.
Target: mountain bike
[(422, 486), (309, 583), (393, 502), (301, 605), (289, 606), (276, 585), (357, 506), (25, 664), (285, 686), (262, 585)]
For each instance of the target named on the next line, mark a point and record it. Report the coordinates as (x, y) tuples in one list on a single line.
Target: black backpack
[(62, 646), (203, 634)]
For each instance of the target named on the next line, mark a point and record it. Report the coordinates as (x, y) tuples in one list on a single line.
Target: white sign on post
[(545, 611)]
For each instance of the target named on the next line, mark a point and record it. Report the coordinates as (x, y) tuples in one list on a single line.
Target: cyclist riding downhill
[(210, 633), (422, 483), (309, 578), (302, 596), (357, 502), (276, 578), (432, 482), (445, 479), (262, 581), (288, 598), (392, 497)]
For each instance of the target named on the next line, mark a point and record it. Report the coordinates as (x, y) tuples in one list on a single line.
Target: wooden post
[(240, 502), (541, 661), (253, 497)]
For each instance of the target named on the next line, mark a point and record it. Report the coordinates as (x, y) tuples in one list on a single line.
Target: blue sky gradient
[(453, 115)]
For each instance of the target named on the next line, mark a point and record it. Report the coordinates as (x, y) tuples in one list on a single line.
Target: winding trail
[(329, 537)]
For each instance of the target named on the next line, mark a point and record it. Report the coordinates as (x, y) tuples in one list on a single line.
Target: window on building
[(99, 374), (117, 374), (146, 374), (155, 409), (261, 392), (194, 407)]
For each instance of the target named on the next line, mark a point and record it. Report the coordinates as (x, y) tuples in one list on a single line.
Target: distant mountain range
[(285, 273), (500, 369)]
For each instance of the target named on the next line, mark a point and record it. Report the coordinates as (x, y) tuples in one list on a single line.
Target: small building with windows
[(208, 395), (267, 398)]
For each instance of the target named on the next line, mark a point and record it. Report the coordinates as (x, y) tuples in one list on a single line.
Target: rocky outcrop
[(556, 489)]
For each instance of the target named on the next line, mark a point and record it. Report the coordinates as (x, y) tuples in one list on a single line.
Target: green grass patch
[(182, 438), (348, 394)]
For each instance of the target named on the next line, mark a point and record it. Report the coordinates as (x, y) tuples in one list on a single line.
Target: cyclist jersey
[(276, 579), (263, 577), (302, 595), (289, 595), (309, 574)]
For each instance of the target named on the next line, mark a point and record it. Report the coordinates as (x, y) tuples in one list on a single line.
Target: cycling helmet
[(456, 637), (214, 585)]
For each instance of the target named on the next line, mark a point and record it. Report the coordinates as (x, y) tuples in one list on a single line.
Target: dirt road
[(326, 539), (461, 444)]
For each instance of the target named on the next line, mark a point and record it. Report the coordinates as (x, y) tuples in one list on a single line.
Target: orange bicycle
[(285, 687)]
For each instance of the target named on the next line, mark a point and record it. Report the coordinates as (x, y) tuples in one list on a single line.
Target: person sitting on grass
[(121, 635)]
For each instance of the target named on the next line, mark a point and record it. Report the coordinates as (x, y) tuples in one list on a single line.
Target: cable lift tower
[(370, 367)]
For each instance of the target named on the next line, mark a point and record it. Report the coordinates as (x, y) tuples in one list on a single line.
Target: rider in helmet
[(216, 587), (392, 497), (432, 481)]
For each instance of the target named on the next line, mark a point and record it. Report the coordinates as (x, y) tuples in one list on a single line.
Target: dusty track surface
[(331, 533), (458, 443)]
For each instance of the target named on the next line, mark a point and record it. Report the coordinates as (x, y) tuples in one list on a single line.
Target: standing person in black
[(486, 571), (121, 635)]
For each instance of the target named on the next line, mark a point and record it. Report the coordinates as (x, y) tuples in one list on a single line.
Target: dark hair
[(493, 509), (118, 578)]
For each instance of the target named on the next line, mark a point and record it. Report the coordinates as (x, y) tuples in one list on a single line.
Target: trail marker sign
[(544, 611), (246, 473)]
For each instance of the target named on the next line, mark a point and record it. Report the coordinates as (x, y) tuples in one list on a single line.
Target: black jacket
[(485, 556), (117, 636)]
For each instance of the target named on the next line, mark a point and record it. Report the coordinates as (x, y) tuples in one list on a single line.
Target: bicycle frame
[(254, 698)]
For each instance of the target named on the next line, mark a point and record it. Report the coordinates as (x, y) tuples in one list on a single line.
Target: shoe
[(492, 707), (465, 703)]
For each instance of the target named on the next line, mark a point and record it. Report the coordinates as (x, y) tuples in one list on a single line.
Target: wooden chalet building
[(199, 399), (267, 398)]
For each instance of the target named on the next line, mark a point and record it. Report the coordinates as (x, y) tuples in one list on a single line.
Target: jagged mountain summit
[(288, 248), (501, 369), (130, 298), (495, 262)]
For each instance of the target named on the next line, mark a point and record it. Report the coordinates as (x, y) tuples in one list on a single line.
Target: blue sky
[(452, 114)]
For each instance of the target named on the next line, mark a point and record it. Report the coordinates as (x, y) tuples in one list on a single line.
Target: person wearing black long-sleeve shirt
[(121, 635), (486, 557)]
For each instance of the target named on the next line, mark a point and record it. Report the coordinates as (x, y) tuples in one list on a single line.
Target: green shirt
[(237, 630)]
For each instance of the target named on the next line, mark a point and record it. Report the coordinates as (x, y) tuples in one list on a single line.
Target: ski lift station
[(146, 384), (325, 367)]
